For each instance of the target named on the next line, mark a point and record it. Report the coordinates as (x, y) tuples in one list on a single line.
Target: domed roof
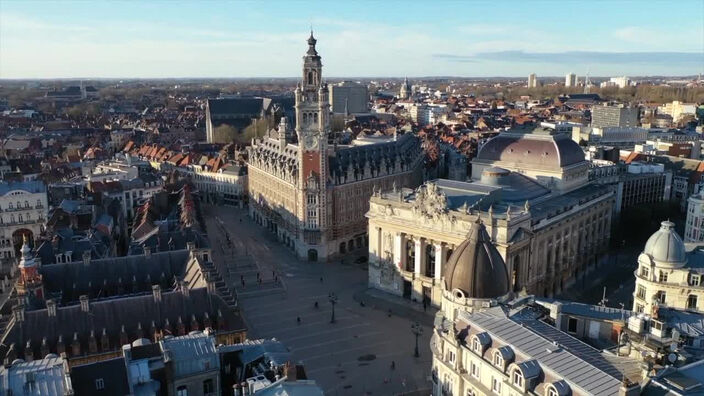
[(665, 246), (476, 267), (538, 148)]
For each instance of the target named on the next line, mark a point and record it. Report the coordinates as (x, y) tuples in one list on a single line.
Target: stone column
[(399, 259), (420, 254), (439, 259)]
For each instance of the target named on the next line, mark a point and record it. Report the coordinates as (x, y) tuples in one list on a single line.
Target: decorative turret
[(30, 280)]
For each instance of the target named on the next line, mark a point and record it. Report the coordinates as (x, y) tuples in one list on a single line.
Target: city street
[(351, 356)]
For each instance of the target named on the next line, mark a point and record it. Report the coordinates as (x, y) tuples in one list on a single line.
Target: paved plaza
[(352, 356)]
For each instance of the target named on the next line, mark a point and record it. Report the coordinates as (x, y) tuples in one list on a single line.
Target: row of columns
[(420, 262)]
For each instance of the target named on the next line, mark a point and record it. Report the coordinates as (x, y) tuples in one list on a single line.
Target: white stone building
[(694, 227), (485, 344), (546, 220), (669, 273), (23, 212)]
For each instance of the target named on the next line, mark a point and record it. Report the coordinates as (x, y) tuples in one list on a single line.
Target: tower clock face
[(311, 140)]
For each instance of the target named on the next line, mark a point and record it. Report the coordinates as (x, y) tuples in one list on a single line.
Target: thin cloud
[(576, 57)]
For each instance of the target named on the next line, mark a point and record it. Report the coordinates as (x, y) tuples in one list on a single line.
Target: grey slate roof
[(48, 377), (237, 106), (29, 186), (104, 275), (577, 363)]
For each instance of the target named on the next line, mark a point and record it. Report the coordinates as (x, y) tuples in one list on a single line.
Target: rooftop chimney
[(51, 308), (156, 292), (85, 307)]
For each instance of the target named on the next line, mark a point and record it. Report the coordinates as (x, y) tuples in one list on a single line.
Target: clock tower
[(312, 129)]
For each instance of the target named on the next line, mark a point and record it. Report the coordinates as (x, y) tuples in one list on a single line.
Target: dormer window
[(694, 280), (517, 378), (498, 360), (476, 346)]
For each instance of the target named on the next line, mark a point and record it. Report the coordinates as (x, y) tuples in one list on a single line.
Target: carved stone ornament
[(430, 201)]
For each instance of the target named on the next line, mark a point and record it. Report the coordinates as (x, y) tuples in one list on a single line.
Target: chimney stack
[(85, 307), (51, 308), (156, 292)]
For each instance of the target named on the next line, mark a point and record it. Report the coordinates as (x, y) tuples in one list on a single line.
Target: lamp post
[(417, 330), (333, 300)]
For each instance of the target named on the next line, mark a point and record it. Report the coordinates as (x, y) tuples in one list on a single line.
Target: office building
[(348, 97), (532, 80), (571, 80), (604, 116)]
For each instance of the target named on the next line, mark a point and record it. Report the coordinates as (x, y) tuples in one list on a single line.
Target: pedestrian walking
[(321, 279), (257, 275), (393, 365), (273, 274), (298, 319), (260, 281)]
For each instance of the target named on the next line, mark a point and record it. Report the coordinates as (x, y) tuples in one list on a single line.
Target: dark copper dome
[(476, 267)]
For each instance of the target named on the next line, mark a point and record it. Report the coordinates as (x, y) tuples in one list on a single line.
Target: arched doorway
[(18, 238), (312, 255)]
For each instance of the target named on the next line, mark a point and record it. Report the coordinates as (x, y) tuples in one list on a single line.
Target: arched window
[(517, 378), (343, 247), (551, 391), (498, 359), (310, 77), (476, 346)]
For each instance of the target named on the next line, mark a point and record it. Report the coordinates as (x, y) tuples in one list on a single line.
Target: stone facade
[(313, 193), (24, 210), (668, 275), (548, 238)]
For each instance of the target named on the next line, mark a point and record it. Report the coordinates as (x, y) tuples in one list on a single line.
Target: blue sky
[(162, 39)]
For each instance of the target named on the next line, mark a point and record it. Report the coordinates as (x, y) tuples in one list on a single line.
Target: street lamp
[(417, 330), (333, 300)]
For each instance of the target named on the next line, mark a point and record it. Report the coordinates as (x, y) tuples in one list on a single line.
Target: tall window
[(99, 384), (644, 271), (662, 277), (694, 280), (496, 385), (692, 302), (572, 325), (208, 387), (182, 391), (641, 292), (475, 370), (660, 297)]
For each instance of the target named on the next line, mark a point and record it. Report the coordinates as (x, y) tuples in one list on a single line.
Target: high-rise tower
[(312, 129)]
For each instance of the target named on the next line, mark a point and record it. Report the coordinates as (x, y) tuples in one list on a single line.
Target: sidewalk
[(399, 306)]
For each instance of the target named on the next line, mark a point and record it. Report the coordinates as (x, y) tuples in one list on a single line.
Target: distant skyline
[(219, 39)]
